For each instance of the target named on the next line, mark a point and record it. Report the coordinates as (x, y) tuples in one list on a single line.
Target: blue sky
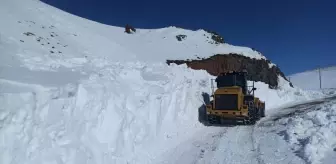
[(296, 35)]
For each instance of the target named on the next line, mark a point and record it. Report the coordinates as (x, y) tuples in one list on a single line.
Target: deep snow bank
[(121, 113), (126, 112)]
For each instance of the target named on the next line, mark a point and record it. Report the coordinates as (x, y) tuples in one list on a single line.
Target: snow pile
[(314, 133), (311, 79), (308, 130), (284, 94)]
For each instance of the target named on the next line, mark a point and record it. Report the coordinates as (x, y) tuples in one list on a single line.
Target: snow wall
[(125, 113)]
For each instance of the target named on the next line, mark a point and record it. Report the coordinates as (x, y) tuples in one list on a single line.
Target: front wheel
[(263, 112), (252, 115)]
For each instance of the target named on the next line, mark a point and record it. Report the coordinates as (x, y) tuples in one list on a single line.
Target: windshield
[(230, 80)]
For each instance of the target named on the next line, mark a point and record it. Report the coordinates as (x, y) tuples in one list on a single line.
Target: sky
[(296, 35)]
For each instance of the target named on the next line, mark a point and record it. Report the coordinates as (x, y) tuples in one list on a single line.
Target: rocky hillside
[(258, 69)]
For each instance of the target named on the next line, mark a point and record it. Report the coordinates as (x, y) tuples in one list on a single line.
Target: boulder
[(215, 37)]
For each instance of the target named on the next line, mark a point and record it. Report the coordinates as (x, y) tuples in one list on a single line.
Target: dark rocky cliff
[(258, 70)]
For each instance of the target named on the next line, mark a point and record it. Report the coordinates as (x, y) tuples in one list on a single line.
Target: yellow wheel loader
[(234, 100)]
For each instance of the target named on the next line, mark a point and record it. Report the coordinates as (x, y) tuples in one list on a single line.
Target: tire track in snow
[(211, 147), (195, 150), (237, 147), (225, 144), (256, 146)]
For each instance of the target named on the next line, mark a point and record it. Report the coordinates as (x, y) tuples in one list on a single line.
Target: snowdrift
[(76, 91), (284, 94), (310, 80)]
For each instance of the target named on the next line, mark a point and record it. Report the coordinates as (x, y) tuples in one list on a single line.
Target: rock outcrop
[(258, 70), (215, 37), (129, 29), (180, 37)]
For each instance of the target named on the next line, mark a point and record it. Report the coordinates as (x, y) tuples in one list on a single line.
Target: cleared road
[(265, 142)]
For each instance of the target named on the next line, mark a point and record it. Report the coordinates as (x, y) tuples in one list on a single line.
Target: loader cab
[(239, 79), (233, 79)]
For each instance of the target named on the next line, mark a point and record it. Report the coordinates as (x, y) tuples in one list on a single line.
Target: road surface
[(262, 143)]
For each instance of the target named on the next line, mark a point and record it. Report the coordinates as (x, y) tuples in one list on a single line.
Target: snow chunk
[(310, 130)]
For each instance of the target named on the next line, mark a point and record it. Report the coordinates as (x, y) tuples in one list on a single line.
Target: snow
[(310, 134), (79, 38), (285, 93), (310, 80), (297, 134), (103, 96), (122, 113)]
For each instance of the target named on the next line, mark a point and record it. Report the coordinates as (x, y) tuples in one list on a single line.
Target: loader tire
[(263, 113), (258, 114), (252, 115)]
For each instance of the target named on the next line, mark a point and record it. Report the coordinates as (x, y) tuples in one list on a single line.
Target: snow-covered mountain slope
[(54, 33), (76, 91), (311, 79)]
